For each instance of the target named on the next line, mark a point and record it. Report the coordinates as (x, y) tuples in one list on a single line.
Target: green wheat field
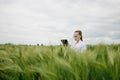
[(23, 62)]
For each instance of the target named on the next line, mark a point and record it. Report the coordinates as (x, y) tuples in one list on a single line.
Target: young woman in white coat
[(79, 44)]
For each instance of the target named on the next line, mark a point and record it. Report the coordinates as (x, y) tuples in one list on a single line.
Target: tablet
[(64, 42)]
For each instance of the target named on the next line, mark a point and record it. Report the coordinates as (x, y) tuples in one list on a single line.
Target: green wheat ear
[(98, 62)]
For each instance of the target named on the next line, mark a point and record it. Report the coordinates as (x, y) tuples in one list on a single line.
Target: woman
[(79, 45)]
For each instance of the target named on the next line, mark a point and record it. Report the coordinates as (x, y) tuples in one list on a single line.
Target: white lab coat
[(80, 46)]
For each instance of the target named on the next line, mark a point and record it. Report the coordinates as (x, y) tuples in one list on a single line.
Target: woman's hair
[(80, 33)]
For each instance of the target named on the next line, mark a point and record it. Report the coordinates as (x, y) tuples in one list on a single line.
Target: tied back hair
[(80, 33)]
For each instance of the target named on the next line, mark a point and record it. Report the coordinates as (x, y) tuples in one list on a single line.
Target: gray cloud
[(48, 21)]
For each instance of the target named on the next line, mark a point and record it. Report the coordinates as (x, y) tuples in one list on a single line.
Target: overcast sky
[(49, 21)]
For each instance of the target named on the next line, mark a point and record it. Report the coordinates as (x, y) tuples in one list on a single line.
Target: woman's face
[(77, 36)]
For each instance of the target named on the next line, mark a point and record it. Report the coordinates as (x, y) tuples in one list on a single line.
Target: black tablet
[(64, 42)]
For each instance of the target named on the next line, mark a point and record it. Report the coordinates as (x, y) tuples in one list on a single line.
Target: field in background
[(99, 62)]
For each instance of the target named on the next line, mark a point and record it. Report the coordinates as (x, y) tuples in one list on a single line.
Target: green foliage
[(98, 62)]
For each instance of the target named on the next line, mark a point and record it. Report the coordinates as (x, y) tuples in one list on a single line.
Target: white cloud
[(48, 21)]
